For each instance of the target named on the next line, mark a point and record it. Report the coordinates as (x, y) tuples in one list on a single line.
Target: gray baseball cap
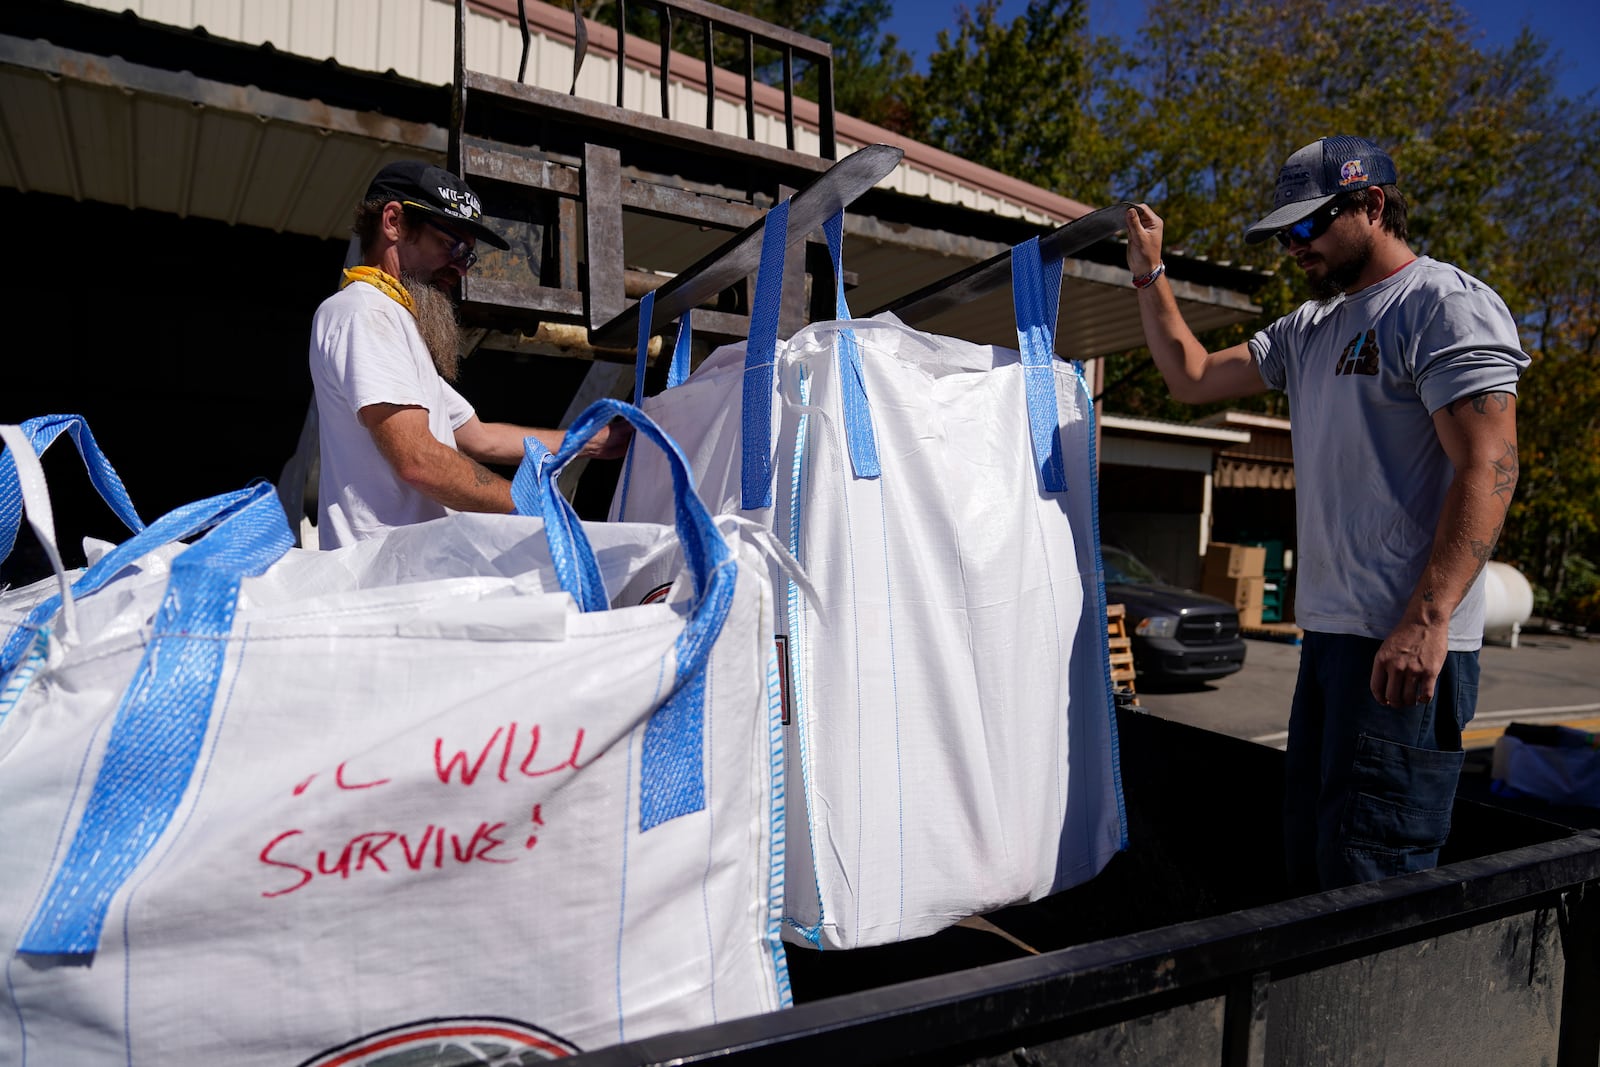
[(1316, 174)]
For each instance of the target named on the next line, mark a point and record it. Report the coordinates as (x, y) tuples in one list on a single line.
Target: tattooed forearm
[(1505, 473), (481, 475), (1483, 551), (1479, 435)]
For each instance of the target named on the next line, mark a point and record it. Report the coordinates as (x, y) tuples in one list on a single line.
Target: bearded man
[(1401, 375), (399, 444)]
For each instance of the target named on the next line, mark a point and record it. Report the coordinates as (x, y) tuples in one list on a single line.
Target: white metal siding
[(416, 39)]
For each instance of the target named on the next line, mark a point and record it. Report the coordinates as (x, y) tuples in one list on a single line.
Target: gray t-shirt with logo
[(1364, 374)]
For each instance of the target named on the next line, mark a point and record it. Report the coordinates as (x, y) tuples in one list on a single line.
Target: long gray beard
[(436, 322)]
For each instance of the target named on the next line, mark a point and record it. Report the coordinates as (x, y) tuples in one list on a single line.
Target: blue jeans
[(1368, 789)]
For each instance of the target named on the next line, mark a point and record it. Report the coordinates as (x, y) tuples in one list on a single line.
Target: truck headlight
[(1157, 626)]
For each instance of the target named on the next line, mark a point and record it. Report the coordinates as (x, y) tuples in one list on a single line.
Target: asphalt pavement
[(1548, 678)]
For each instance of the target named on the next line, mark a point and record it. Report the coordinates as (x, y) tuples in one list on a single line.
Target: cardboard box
[(1245, 594), (1234, 561), (1250, 618)]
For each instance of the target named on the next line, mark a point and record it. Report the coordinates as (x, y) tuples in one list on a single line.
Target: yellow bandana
[(386, 284)]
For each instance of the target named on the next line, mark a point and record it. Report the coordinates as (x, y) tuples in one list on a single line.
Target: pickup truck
[(1178, 635)]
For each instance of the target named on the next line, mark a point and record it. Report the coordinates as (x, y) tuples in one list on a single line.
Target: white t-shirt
[(1364, 374), (365, 349)]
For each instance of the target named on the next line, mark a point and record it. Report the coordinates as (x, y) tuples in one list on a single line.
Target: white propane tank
[(1507, 601)]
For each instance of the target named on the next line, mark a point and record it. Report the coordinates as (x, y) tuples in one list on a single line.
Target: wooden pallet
[(1121, 646)]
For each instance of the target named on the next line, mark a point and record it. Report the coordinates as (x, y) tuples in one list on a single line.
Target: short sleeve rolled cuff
[(1469, 346)]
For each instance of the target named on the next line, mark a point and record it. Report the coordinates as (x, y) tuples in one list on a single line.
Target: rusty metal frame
[(809, 208), (972, 282), (577, 165)]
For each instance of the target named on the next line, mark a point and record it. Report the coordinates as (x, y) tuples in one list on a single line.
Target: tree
[(1227, 89), (1017, 96), (1501, 176), (869, 67), (1553, 532)]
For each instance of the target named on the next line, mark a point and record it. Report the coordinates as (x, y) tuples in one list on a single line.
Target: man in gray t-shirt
[(1401, 376)]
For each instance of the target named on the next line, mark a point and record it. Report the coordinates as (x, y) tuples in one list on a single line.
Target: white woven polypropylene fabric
[(416, 818), (951, 714)]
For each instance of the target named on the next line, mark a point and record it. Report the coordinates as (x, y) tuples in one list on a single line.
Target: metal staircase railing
[(557, 172)]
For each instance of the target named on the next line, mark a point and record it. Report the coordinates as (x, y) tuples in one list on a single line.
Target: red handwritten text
[(339, 780), (502, 747), (383, 852)]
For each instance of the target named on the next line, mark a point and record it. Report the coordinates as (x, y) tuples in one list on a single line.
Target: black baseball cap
[(1316, 174), (431, 190)]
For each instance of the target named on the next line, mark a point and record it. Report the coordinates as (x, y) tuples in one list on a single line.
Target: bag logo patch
[(449, 1043)]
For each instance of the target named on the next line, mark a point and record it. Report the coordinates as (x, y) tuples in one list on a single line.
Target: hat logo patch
[(460, 202), (1352, 171)]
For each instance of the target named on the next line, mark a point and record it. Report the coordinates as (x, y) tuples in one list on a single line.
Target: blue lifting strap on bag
[(182, 522), (42, 433), (1036, 293), (677, 370), (755, 486), (672, 778), (159, 725), (760, 362), (859, 435)]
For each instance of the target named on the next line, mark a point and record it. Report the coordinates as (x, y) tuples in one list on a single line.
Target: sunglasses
[(461, 252), (1311, 227)]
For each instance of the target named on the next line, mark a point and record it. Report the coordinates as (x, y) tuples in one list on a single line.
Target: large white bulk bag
[(402, 796), (950, 706)]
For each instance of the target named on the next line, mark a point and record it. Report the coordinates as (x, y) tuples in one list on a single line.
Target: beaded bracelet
[(1144, 281)]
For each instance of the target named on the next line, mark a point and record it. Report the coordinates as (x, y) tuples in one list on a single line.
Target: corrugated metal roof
[(100, 128)]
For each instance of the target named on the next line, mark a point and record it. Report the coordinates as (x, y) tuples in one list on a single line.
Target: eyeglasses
[(461, 252), (1312, 226)]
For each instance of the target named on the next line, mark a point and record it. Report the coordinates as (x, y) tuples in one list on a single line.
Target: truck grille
[(1208, 629)]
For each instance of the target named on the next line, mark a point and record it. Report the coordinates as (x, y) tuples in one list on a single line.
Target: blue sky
[(1573, 26)]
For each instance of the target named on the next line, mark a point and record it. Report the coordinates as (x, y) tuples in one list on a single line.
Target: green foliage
[(980, 99), (1018, 97), (1554, 285), (868, 67)]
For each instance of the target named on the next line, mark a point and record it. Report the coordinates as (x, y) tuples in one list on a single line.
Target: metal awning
[(100, 128), (1197, 433), (1156, 443)]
